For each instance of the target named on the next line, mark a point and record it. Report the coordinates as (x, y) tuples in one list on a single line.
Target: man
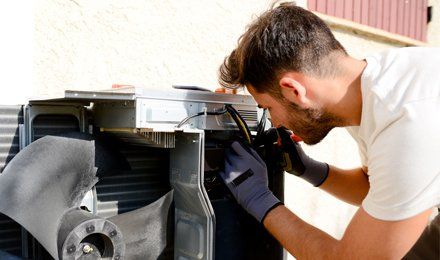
[(292, 65)]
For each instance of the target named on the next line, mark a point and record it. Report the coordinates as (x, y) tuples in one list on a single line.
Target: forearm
[(299, 238), (365, 237), (350, 186)]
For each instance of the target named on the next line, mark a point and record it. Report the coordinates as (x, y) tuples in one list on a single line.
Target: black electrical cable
[(209, 113), (242, 126), (260, 129), (238, 119)]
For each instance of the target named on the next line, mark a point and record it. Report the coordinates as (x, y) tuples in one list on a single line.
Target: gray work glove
[(245, 175), (298, 163)]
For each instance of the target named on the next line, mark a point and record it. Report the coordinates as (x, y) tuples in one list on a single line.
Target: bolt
[(113, 233), (87, 249), (90, 229), (71, 249), (117, 257)]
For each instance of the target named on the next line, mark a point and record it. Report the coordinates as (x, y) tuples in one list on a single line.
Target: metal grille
[(248, 115), (10, 118), (53, 125), (10, 235), (146, 182)]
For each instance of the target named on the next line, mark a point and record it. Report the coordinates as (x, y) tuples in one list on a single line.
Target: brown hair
[(284, 38)]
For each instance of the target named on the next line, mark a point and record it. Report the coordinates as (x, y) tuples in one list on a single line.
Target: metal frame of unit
[(151, 116), (34, 110)]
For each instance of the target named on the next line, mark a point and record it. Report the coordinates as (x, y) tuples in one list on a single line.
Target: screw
[(71, 249), (90, 229), (117, 257), (113, 233), (87, 249)]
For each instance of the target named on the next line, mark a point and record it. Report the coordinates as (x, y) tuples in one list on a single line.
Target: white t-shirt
[(399, 133)]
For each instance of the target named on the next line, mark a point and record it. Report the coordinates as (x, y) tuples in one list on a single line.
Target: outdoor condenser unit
[(128, 173)]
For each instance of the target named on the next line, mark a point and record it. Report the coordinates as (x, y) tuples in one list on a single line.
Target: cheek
[(278, 118)]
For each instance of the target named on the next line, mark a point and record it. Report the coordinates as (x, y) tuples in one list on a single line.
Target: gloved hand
[(245, 175), (298, 163)]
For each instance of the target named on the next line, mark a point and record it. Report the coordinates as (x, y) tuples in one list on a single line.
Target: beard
[(310, 124)]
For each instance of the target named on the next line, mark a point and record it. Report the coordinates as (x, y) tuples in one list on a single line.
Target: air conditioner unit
[(156, 193)]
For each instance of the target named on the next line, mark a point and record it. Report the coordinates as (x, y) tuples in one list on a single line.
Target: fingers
[(239, 149), (225, 174), (284, 135), (257, 156), (244, 152)]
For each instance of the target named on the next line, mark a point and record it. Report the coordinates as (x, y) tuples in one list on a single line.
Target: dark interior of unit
[(237, 234)]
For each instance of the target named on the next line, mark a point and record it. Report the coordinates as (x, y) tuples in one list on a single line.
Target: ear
[(293, 90)]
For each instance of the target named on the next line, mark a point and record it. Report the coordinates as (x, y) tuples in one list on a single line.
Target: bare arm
[(350, 186), (365, 238)]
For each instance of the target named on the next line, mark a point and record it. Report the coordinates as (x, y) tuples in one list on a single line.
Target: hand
[(298, 163), (246, 176)]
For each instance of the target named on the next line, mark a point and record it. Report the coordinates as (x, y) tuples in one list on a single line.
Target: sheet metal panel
[(365, 4), (348, 8), (393, 13), (405, 17), (386, 19), (10, 118), (424, 20), (357, 10), (339, 9), (330, 7), (400, 18), (412, 18)]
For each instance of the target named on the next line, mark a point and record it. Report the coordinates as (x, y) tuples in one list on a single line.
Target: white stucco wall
[(92, 44), (81, 44)]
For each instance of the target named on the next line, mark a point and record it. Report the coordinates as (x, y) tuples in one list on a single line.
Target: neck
[(347, 99)]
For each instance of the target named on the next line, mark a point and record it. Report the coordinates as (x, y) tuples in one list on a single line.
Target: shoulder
[(398, 82)]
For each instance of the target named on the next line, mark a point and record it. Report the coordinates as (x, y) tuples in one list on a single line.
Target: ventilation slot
[(249, 115), (53, 125)]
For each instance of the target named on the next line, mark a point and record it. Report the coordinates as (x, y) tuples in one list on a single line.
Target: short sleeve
[(404, 163)]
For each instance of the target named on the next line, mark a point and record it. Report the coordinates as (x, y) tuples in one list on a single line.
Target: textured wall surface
[(83, 44), (434, 25), (80, 44)]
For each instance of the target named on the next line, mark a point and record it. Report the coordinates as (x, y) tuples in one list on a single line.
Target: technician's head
[(284, 59)]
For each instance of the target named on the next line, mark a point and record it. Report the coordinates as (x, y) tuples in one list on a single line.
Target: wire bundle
[(238, 119)]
